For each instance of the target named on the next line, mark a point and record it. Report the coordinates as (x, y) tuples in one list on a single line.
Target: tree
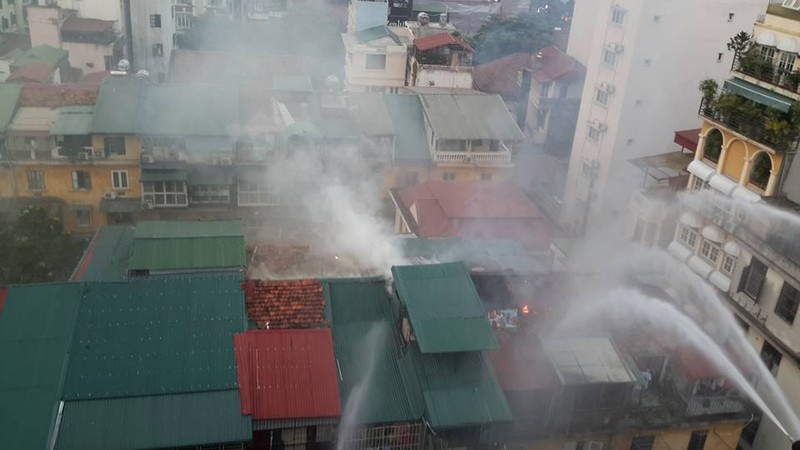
[(35, 249), (740, 43), (523, 33)]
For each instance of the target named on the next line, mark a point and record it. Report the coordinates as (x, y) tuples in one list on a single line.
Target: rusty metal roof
[(287, 374)]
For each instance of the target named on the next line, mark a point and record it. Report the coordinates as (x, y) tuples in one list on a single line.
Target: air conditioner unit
[(147, 204), (109, 195), (616, 47), (84, 156), (608, 87), (148, 159), (468, 159), (599, 126)]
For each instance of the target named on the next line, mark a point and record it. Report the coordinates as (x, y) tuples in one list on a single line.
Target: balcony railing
[(464, 157), (753, 129), (766, 72), (706, 406)]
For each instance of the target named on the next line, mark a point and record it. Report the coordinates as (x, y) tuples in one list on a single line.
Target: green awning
[(73, 120), (163, 175), (221, 175), (758, 94)]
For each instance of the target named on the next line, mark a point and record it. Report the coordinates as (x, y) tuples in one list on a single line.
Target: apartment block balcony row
[(768, 126)]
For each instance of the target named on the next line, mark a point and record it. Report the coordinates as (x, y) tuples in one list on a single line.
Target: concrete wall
[(444, 78), (357, 75), (95, 9), (44, 26), (88, 57), (144, 37), (669, 47)]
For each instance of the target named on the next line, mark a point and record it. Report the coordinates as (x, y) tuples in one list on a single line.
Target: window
[(786, 308), (36, 180), (376, 62), (81, 180), (158, 50), (700, 184), (257, 193), (753, 278), (786, 63), (728, 264), (448, 176), (688, 236), (114, 145), (155, 20), (164, 193), (698, 440), (767, 53), (771, 357), (486, 176), (601, 96), (609, 57), (643, 442), (710, 251), (83, 217), (617, 15), (210, 194), (593, 134), (119, 179), (108, 61), (713, 146)]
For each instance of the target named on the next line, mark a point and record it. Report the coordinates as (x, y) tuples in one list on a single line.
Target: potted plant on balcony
[(727, 105), (749, 62), (765, 69), (708, 88), (750, 117), (740, 43), (777, 128)]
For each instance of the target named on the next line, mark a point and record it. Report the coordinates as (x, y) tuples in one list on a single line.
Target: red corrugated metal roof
[(438, 40), (688, 138), (474, 210), (36, 72), (285, 303), (287, 374), (83, 25), (501, 76), (3, 295), (557, 65)]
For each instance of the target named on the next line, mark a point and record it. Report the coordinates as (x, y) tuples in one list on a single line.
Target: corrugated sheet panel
[(464, 117), (187, 253), (106, 258), (409, 125), (373, 381), (9, 95), (460, 389), (73, 120), (36, 326), (190, 110), (151, 337), (193, 228), (445, 310), (287, 374), (117, 108), (160, 421)]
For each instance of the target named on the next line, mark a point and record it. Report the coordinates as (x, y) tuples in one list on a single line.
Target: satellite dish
[(123, 65), (442, 19), (143, 74)]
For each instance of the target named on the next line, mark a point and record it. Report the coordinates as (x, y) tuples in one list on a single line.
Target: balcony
[(707, 406), (755, 67), (466, 157), (756, 123)]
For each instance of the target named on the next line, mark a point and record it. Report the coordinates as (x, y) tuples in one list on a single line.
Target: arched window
[(761, 168), (713, 147)]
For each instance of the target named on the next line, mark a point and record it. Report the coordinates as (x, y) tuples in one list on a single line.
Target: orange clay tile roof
[(282, 304), (58, 95)]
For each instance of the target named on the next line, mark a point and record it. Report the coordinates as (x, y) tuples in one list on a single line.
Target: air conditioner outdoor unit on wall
[(109, 195), (617, 47), (147, 204), (148, 159), (608, 87)]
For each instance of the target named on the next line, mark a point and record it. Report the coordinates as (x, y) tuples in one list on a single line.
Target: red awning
[(287, 374), (688, 138)]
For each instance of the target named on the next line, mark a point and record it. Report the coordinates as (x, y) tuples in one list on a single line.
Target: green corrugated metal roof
[(368, 354), (106, 259), (374, 33), (9, 95), (460, 389), (371, 114), (161, 421), (187, 253), (188, 228), (443, 306), (497, 255), (190, 110), (163, 175), (758, 94), (409, 126), (73, 120), (463, 117), (117, 107), (155, 337), (45, 54), (36, 327)]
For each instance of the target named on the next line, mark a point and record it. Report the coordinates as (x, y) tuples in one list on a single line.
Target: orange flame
[(525, 309)]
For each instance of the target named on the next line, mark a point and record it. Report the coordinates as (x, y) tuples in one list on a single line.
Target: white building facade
[(644, 60)]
